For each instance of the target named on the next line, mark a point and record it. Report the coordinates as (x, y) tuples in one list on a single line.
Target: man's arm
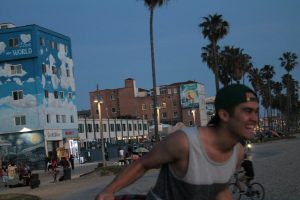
[(172, 149), (224, 194)]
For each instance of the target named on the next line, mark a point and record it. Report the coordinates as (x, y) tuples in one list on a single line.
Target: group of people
[(52, 165), (198, 162), (12, 174)]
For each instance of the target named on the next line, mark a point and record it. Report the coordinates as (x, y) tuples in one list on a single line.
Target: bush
[(18, 197), (109, 170)]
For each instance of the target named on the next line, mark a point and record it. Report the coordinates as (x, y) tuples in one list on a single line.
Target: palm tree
[(288, 61), (255, 79), (234, 62), (214, 28), (267, 73), (152, 4)]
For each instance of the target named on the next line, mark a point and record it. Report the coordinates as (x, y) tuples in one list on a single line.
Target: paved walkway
[(47, 178)]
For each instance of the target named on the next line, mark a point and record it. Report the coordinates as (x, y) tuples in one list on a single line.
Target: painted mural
[(189, 95), (23, 147), (29, 67)]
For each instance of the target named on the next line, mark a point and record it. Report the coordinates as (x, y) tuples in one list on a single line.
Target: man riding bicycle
[(248, 170)]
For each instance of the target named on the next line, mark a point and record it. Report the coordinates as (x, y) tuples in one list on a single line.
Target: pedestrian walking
[(71, 159), (198, 163)]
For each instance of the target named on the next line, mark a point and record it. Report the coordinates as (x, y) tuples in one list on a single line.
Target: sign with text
[(53, 135)]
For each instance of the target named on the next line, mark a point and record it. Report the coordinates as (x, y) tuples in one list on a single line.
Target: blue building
[(38, 114)]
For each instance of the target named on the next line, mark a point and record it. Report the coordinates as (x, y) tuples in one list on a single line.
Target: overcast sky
[(110, 38)]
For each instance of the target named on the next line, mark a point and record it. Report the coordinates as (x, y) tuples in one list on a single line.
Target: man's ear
[(224, 115)]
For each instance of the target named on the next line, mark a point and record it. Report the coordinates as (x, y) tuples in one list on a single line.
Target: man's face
[(244, 119)]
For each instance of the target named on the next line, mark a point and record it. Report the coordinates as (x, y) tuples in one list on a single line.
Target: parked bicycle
[(254, 190)]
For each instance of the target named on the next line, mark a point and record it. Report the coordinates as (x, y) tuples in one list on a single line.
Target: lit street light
[(193, 113), (99, 100)]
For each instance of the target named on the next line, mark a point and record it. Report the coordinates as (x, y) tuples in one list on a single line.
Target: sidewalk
[(47, 178)]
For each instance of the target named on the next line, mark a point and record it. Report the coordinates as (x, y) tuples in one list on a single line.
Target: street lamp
[(193, 113), (98, 99)]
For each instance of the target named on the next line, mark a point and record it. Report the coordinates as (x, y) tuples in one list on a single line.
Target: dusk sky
[(110, 38)]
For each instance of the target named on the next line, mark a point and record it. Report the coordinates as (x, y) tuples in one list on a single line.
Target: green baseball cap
[(233, 95)]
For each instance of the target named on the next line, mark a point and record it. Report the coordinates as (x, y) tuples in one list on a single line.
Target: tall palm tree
[(267, 73), (152, 4), (235, 62), (288, 61), (214, 28), (255, 79)]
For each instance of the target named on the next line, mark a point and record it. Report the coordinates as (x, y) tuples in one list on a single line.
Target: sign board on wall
[(189, 95), (53, 135), (71, 133)]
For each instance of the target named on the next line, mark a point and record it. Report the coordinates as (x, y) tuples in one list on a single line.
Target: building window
[(112, 97), (13, 42), (135, 127), (81, 128), (48, 118), (164, 115), (18, 95), (96, 127), (20, 120), (90, 128), (113, 110), (54, 70), (72, 119), (163, 90), (151, 106), (104, 127), (145, 127), (124, 127), (118, 127), (63, 119), (163, 105), (66, 49), (140, 127), (112, 127), (16, 69), (55, 94), (144, 107), (174, 103), (169, 91), (44, 68), (175, 90), (61, 94), (130, 127), (51, 44), (175, 114), (42, 41), (70, 95), (57, 118), (68, 72), (46, 93)]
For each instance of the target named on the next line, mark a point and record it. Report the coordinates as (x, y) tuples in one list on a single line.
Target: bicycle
[(254, 191)]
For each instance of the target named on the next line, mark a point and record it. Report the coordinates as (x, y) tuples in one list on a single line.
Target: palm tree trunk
[(153, 76), (215, 67)]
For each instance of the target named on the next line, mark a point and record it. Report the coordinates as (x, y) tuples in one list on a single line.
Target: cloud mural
[(5, 71), (2, 47)]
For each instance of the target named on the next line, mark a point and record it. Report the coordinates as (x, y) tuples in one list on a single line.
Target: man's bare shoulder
[(177, 140)]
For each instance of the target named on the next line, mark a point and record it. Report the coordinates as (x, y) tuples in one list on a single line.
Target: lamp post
[(99, 100), (193, 113)]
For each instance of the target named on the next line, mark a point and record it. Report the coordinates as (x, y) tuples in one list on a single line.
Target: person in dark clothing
[(72, 161), (248, 175), (66, 166), (47, 160)]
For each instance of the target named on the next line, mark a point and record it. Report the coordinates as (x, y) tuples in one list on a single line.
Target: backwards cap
[(233, 95)]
